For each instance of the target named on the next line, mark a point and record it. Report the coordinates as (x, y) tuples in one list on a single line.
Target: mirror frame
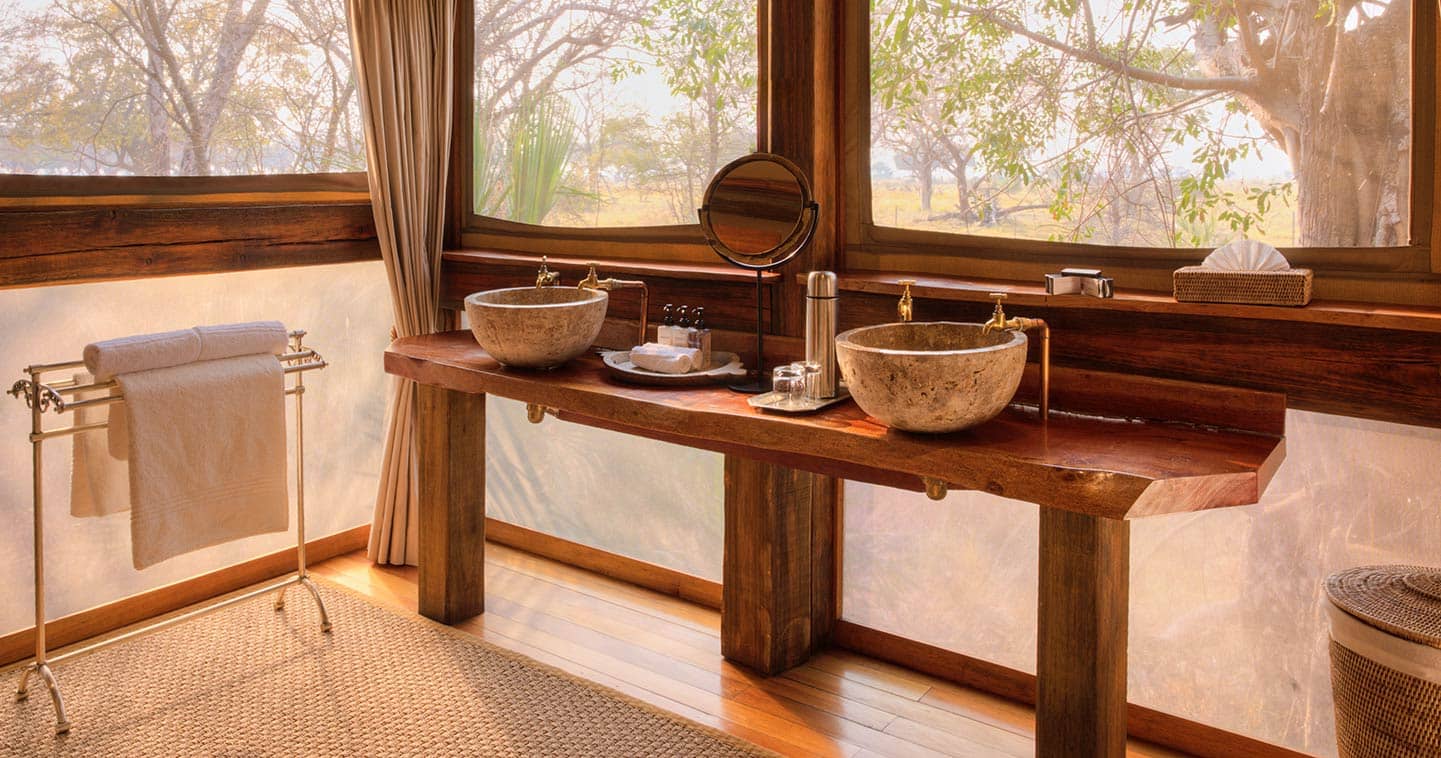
[(799, 236)]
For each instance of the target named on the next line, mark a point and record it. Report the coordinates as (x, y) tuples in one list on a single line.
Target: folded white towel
[(664, 359), (251, 338), (99, 480), (207, 454), (142, 352)]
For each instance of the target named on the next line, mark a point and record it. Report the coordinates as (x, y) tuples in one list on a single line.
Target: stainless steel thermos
[(821, 301)]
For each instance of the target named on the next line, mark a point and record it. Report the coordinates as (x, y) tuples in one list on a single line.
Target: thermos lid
[(821, 284)]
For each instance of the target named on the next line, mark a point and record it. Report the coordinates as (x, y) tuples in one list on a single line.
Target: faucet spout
[(906, 308)]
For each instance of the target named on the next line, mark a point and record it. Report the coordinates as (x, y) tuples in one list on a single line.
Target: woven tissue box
[(1246, 272), (1198, 284)]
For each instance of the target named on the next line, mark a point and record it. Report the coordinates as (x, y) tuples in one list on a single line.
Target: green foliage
[(541, 136), (1043, 104), (487, 168)]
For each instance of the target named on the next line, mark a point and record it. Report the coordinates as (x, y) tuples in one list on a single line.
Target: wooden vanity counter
[(1115, 448)]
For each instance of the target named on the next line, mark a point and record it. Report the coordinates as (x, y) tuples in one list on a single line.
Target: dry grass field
[(897, 202)]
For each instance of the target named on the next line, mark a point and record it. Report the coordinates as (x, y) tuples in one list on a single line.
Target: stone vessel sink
[(938, 376), (536, 327)]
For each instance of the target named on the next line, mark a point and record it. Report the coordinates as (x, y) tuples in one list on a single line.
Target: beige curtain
[(404, 69)]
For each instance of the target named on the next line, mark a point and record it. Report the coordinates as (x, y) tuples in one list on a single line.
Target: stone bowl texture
[(933, 377), (530, 327)]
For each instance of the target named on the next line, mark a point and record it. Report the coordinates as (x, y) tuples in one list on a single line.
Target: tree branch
[(1213, 83)]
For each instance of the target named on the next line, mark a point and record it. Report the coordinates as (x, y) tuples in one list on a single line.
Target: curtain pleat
[(404, 69)]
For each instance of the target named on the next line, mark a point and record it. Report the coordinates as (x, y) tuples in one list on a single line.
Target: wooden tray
[(725, 368)]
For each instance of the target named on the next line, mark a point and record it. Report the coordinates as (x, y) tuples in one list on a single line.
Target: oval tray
[(728, 369)]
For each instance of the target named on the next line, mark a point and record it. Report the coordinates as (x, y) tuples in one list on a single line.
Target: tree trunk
[(1346, 126), (923, 173), (157, 119), (1354, 152)]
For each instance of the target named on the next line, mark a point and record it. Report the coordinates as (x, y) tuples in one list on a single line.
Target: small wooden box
[(1198, 284)]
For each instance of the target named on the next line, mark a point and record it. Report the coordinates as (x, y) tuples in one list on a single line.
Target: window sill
[(1339, 313), (715, 272)]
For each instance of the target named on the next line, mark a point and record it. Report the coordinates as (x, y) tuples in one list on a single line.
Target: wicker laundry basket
[(1386, 661)]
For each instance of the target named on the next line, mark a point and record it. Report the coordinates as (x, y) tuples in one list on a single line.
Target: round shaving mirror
[(758, 211), (758, 214)]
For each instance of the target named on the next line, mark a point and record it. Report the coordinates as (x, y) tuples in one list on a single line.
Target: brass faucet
[(999, 322), (906, 308), (545, 277), (593, 282)]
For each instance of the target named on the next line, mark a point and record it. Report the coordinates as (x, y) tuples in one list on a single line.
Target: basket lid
[(1401, 600)]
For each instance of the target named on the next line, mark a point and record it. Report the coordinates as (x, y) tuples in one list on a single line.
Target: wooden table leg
[(1081, 646), (779, 580), (450, 445)]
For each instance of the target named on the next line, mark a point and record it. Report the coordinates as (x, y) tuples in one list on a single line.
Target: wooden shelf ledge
[(1376, 316)]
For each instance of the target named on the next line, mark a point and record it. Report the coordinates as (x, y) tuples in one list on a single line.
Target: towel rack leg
[(42, 671), (40, 667), (303, 575)]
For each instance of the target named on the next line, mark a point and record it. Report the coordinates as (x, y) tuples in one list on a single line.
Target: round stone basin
[(938, 376), (530, 327)]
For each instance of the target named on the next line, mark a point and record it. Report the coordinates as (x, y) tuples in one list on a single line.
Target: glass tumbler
[(790, 383), (811, 370)]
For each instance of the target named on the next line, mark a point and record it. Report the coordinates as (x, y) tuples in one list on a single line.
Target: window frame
[(1400, 274), (676, 243)]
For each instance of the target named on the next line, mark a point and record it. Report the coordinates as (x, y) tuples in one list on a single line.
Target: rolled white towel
[(141, 352), (664, 359), (250, 338)]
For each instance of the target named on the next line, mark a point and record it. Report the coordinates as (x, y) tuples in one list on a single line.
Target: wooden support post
[(1081, 645), (450, 444), (779, 586)]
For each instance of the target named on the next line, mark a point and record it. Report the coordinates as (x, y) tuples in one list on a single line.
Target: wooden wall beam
[(801, 101), (70, 246)]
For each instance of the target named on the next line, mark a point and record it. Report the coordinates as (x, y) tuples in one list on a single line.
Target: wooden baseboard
[(89, 623), (1142, 723), (658, 578)]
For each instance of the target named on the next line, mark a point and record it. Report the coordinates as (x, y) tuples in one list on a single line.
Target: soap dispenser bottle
[(667, 325), (698, 337), (677, 332)]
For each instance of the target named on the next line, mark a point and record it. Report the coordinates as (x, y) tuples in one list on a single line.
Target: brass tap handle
[(591, 280), (906, 307), (998, 316), (545, 277)]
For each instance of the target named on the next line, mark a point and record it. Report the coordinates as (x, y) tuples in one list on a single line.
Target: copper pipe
[(592, 282)]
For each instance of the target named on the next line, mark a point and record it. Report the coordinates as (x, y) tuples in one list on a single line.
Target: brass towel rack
[(42, 397)]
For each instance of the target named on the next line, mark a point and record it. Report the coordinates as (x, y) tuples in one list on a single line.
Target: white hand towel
[(142, 352), (664, 359), (99, 482), (207, 454), (251, 338)]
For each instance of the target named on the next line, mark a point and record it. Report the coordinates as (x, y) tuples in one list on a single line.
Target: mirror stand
[(760, 384), (759, 214)]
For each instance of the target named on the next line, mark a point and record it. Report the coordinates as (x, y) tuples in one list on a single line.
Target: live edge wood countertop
[(1103, 453)]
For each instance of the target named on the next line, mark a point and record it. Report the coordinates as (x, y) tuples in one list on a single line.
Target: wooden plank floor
[(666, 652)]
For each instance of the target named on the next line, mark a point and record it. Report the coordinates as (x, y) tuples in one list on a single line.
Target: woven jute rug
[(250, 681)]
